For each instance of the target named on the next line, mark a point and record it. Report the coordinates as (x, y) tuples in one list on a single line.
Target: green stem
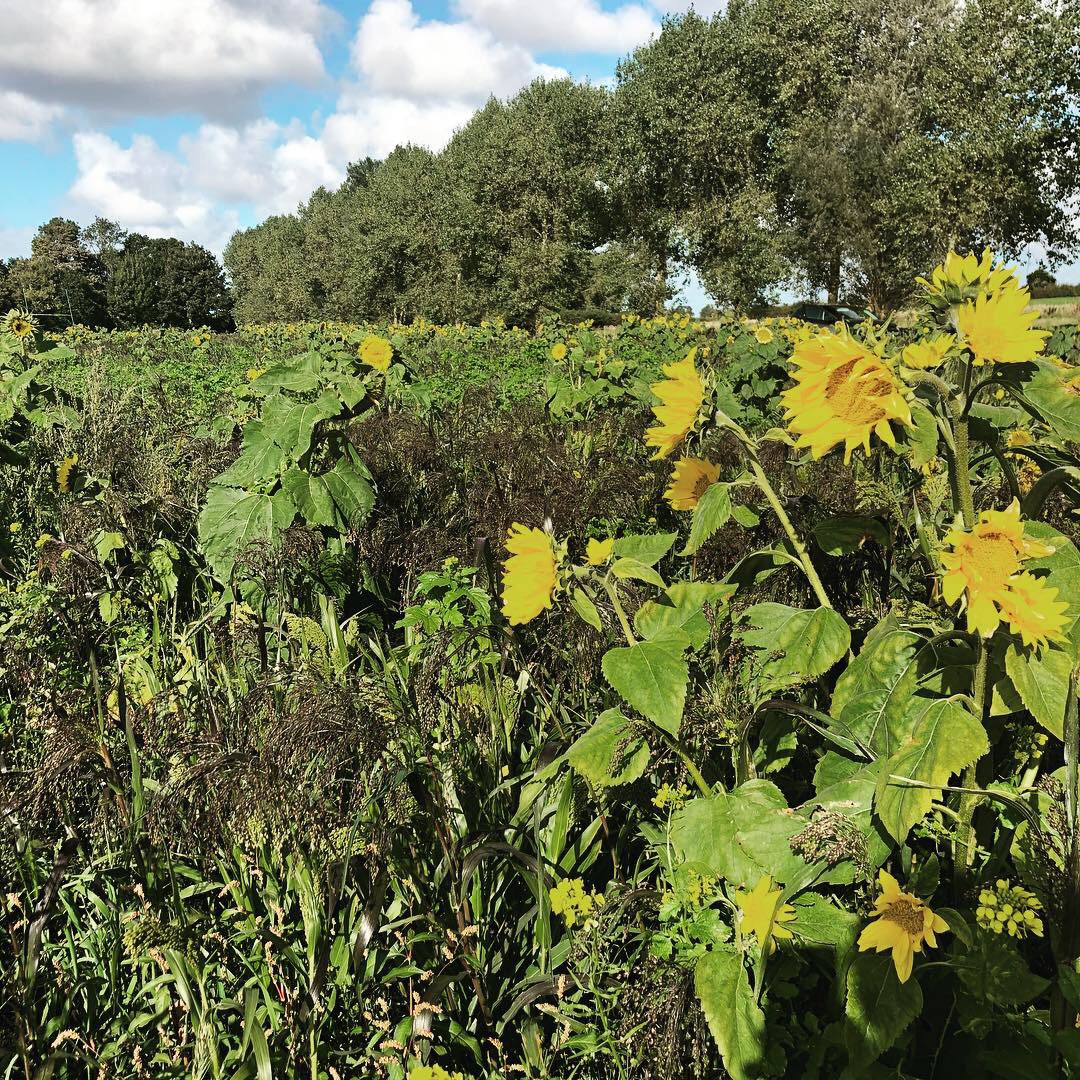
[(616, 603), (792, 535), (965, 836)]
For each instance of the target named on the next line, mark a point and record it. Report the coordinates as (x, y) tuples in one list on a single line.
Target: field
[(677, 700)]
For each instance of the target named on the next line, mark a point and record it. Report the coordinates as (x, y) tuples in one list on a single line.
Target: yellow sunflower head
[(681, 395), (929, 353), (964, 277), (1019, 437), (559, 351), (762, 915), (998, 328), (376, 352), (598, 552), (984, 566), (529, 574), (65, 473), (843, 393), (764, 335), (1032, 610), (903, 923), (691, 479), (20, 324)]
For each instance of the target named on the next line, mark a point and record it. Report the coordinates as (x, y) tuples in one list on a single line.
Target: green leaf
[(648, 549), (872, 696), (712, 511), (681, 608), (634, 569), (736, 1022), (105, 543), (311, 497), (1064, 567), (846, 533), (746, 516), (652, 677), (260, 460), (846, 787), (582, 603), (994, 971), (922, 439), (1059, 407), (795, 645), (611, 741), (1041, 678), (291, 424), (741, 834), (944, 739), (879, 1007), (109, 607), (233, 519), (350, 488)]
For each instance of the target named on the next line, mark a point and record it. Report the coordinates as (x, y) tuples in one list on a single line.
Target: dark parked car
[(829, 314)]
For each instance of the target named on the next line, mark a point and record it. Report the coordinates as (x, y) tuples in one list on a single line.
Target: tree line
[(836, 145), (102, 275)]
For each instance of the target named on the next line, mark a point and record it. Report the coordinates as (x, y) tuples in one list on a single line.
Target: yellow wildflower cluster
[(570, 900), (433, 1072), (668, 796), (1009, 909)]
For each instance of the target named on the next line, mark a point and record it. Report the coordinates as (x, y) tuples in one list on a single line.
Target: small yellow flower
[(1019, 437), (559, 351), (254, 373), (998, 328), (929, 353), (42, 540), (15, 527), (764, 335), (570, 900), (762, 913), (691, 479), (598, 552), (1009, 909), (903, 923), (843, 393), (65, 473), (668, 796), (529, 574), (681, 395), (376, 352)]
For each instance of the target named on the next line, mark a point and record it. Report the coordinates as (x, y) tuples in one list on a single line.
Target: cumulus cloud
[(566, 25), (399, 55), (211, 57), (24, 119)]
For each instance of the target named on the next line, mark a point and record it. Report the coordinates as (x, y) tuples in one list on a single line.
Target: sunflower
[(762, 914), (1019, 437), (763, 334), (903, 924), (529, 573), (998, 328), (843, 393), (681, 394), (962, 277), (984, 565), (376, 352), (20, 323), (930, 353), (65, 473), (598, 552), (1033, 611), (558, 351), (691, 479)]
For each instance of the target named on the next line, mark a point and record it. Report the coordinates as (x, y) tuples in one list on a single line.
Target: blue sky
[(193, 118)]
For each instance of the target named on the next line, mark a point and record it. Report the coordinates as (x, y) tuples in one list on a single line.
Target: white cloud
[(212, 57), (398, 55), (566, 25), (24, 119)]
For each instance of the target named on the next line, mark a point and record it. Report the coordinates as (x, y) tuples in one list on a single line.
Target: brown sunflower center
[(701, 485), (906, 914)]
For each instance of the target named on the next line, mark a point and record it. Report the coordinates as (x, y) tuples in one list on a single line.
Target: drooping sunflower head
[(20, 324), (681, 395), (65, 473), (843, 394), (998, 328), (984, 565), (965, 277), (529, 574), (762, 915), (903, 923), (691, 479), (928, 353), (376, 352)]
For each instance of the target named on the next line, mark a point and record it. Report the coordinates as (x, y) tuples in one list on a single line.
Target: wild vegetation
[(654, 701)]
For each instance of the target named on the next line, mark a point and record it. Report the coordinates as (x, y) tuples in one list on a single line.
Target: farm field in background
[(674, 699)]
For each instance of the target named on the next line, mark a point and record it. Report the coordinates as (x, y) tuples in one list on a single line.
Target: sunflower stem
[(800, 548), (624, 622)]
